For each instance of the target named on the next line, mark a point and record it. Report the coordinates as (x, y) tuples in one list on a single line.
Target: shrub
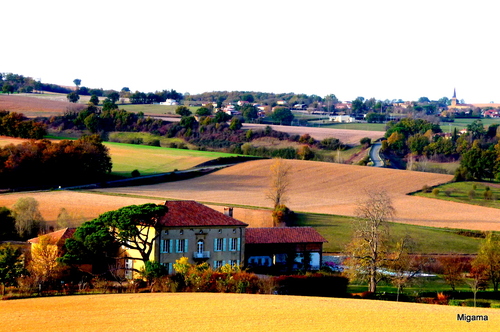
[(426, 189), (456, 303), (471, 194), (435, 191), (495, 305), (135, 173)]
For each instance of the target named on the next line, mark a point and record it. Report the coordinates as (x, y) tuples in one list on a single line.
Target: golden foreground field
[(233, 312)]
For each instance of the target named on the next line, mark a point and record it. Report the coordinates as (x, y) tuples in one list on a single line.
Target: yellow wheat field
[(233, 312)]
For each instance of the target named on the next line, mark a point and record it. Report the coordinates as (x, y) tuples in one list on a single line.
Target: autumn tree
[(454, 268), (488, 258), (44, 264), (279, 182), (29, 220), (370, 249), (278, 189)]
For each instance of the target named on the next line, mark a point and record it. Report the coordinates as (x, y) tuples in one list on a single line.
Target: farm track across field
[(229, 312)]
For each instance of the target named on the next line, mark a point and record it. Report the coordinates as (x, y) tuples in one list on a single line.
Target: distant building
[(169, 102), (342, 118)]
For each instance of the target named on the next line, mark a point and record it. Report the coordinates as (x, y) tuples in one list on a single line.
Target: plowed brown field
[(346, 136), (33, 106), (329, 188), (233, 312)]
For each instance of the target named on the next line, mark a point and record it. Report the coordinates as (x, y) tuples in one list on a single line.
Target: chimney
[(228, 211)]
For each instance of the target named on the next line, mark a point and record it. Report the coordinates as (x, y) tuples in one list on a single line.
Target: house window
[(219, 244), (181, 231), (182, 245), (165, 246), (233, 244), (218, 264), (234, 262), (201, 246)]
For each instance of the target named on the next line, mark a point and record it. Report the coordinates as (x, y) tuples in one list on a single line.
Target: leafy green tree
[(249, 113), (133, 227), (7, 225), (283, 115), (183, 111), (73, 97), (11, 266), (477, 164), (417, 143), (221, 117), (7, 88), (489, 258), (248, 97), (476, 129), (235, 123), (113, 96), (94, 100), (108, 105), (77, 82), (203, 111)]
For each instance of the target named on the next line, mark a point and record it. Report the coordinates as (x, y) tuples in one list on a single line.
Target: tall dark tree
[(73, 97), (7, 225)]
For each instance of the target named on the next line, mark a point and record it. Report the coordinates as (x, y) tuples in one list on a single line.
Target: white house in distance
[(169, 102), (342, 118)]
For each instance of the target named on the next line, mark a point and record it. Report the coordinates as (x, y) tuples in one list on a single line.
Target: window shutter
[(239, 244), (171, 249), (237, 262), (176, 245), (162, 246), (224, 245), (223, 263), (186, 245)]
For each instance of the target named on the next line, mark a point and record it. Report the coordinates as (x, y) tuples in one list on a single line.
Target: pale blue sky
[(387, 49)]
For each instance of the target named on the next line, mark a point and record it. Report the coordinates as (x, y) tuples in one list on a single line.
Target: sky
[(386, 49)]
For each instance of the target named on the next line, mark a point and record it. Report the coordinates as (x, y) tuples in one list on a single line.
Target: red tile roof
[(57, 237), (282, 235), (193, 214)]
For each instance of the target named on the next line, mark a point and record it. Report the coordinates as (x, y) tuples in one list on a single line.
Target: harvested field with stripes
[(328, 188)]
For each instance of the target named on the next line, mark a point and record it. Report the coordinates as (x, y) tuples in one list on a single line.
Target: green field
[(461, 123), (152, 109), (152, 160), (357, 126), (461, 192), (338, 231)]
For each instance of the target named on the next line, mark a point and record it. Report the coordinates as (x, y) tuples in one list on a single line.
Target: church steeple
[(454, 101)]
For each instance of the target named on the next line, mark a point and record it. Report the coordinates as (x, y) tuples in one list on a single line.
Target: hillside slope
[(232, 312), (328, 188)]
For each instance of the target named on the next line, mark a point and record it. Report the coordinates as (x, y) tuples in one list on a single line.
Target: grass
[(151, 159), (153, 109), (356, 126), (337, 230), (460, 192), (461, 123)]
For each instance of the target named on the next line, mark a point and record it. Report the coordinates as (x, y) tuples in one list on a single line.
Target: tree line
[(17, 125), (42, 162), (477, 148)]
